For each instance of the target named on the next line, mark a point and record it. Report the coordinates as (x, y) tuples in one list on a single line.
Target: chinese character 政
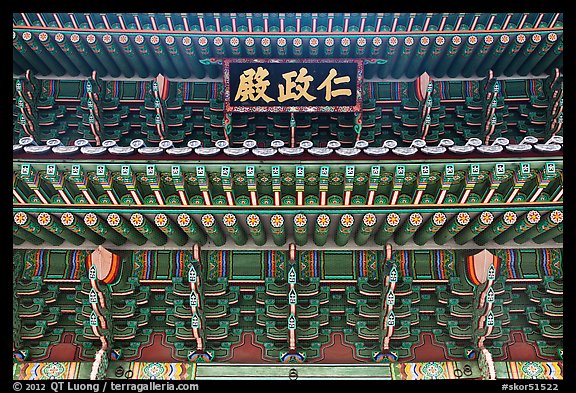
[(302, 87)]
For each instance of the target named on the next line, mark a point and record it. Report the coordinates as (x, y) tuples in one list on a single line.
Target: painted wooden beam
[(176, 56), (43, 54), (429, 229), (513, 49), (410, 226), (404, 58), (45, 39), (493, 56), (88, 54), (170, 229), (452, 228), (256, 229), (321, 229), (213, 229), (192, 229), (49, 223), (478, 224), (72, 54), (25, 235), (523, 58), (527, 221), (300, 229), (234, 229), (25, 222), (149, 230), (344, 229), (484, 47), (117, 57), (103, 55), (464, 55), (133, 58), (453, 48), (387, 229), (77, 226), (549, 221), (502, 223), (366, 228), (550, 234), (391, 55), (146, 55), (103, 229), (123, 227), (277, 229)]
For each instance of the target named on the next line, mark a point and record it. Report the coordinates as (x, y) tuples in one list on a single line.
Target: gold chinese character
[(253, 85), (327, 84), (302, 87)]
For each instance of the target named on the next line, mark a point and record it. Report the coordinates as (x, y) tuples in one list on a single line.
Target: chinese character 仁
[(327, 84)]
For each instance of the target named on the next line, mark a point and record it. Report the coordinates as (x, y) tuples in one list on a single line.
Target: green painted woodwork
[(141, 47), (130, 53), (344, 229), (28, 55), (367, 225), (25, 235), (102, 228), (321, 229), (502, 223), (59, 54), (277, 229), (527, 221), (447, 232), (234, 229), (387, 229), (300, 229), (116, 56), (149, 230), (494, 54), (429, 229), (27, 223), (448, 58), (410, 226), (170, 229), (103, 56), (554, 233), (49, 223), (123, 227), (463, 57), (192, 229), (213, 229), (256, 229), (87, 54), (547, 222), (77, 226), (523, 57), (517, 42), (478, 224), (554, 53), (43, 53)]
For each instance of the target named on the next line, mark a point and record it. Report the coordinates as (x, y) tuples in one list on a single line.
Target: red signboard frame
[(357, 107)]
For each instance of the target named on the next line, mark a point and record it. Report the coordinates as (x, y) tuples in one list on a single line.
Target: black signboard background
[(317, 68)]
